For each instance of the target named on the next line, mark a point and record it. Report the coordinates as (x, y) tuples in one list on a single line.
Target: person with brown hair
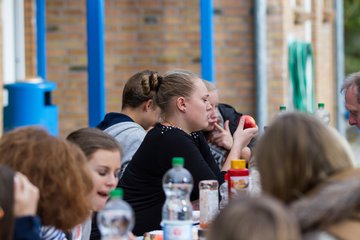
[(309, 167), (104, 160), (183, 99), (58, 168), (254, 218), (139, 113), (18, 204)]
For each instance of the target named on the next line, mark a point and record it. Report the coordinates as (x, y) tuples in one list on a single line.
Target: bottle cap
[(117, 193), (178, 161), (238, 164), (282, 108), (321, 105)]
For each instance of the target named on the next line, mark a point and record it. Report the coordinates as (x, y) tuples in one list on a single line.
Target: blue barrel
[(31, 104)]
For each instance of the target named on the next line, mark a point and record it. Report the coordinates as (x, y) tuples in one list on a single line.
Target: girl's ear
[(148, 105), (181, 104), (1, 213)]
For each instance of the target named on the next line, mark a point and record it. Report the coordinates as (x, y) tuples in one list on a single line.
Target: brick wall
[(234, 53), (138, 34), (30, 39), (141, 34), (282, 29), (67, 61), (324, 46), (163, 35), (277, 74)]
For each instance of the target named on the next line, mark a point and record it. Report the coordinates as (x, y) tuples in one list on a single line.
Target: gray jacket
[(129, 135)]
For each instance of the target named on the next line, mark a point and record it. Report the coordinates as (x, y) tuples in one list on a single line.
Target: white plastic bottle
[(116, 220), (282, 108), (322, 114), (177, 209), (224, 193)]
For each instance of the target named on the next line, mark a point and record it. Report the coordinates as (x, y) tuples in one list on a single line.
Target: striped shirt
[(51, 233)]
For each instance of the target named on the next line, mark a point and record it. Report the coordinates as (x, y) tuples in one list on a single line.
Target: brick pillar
[(324, 53), (279, 21), (234, 54), (30, 38)]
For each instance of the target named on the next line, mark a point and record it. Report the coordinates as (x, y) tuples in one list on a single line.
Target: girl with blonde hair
[(309, 167), (104, 160), (253, 218)]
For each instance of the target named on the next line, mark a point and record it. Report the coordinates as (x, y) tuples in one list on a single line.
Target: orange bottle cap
[(238, 164)]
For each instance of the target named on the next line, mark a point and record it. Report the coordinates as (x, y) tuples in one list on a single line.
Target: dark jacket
[(27, 228), (111, 119)]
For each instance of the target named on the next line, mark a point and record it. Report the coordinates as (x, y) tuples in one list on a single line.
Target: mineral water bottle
[(116, 220), (177, 209), (282, 108), (224, 192), (322, 114), (282, 111)]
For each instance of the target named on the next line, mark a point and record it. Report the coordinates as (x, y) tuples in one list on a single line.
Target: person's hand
[(246, 154), (242, 137), (131, 236), (222, 136), (26, 196)]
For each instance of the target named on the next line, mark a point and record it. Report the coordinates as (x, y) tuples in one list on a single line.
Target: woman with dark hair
[(18, 204), (104, 160), (58, 168), (139, 113)]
